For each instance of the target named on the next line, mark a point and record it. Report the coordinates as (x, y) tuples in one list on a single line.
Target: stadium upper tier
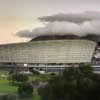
[(49, 51)]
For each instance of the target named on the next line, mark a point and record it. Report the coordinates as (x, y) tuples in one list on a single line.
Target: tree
[(18, 78), (75, 84), (25, 90)]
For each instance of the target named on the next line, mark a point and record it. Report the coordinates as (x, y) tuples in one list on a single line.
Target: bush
[(75, 84), (25, 90), (17, 78), (35, 72), (53, 74), (8, 97), (21, 78)]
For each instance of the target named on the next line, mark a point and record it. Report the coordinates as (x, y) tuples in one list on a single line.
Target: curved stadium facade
[(49, 52)]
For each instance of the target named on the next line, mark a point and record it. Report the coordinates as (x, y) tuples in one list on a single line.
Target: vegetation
[(6, 88), (75, 84), (17, 78), (25, 90), (8, 97), (10, 91)]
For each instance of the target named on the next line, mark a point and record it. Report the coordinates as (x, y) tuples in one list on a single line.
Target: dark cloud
[(82, 24), (72, 17)]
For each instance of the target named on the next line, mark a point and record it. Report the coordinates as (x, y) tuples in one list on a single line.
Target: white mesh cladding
[(55, 51)]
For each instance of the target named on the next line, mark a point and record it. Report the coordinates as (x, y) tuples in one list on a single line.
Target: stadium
[(48, 54)]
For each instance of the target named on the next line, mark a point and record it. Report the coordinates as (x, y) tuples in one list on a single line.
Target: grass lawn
[(6, 88)]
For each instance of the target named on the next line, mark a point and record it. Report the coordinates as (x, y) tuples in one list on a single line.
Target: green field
[(6, 88)]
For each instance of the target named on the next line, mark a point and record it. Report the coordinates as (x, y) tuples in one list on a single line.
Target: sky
[(16, 15)]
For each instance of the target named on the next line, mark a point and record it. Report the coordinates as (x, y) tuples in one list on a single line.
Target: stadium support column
[(46, 68)]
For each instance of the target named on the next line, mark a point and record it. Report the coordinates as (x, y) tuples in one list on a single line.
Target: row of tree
[(75, 84)]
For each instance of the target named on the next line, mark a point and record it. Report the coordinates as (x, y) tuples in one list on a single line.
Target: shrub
[(75, 84), (8, 97), (17, 78), (21, 78), (53, 74), (25, 90), (35, 72)]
